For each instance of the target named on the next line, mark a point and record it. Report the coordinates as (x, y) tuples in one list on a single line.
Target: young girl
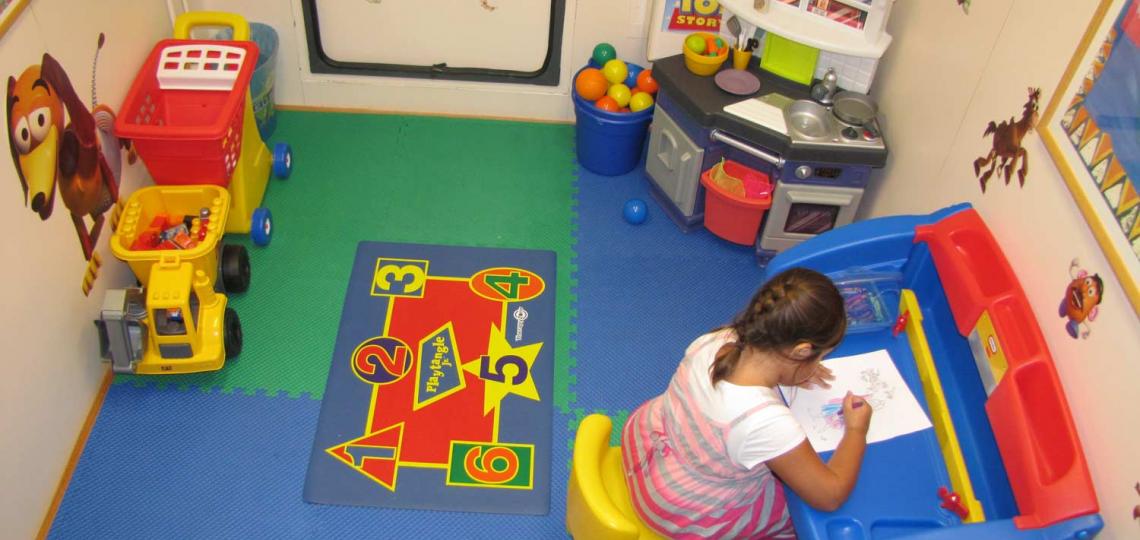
[(700, 458)]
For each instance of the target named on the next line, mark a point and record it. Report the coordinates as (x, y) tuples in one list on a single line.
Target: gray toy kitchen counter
[(703, 101)]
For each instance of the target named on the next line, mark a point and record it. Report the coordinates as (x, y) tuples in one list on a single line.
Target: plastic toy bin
[(608, 143), (147, 203), (184, 111), (730, 216), (870, 298)]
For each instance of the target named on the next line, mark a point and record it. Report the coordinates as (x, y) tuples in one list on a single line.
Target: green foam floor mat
[(387, 178)]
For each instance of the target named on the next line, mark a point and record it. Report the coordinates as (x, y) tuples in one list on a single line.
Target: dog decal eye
[(40, 123), (22, 136)]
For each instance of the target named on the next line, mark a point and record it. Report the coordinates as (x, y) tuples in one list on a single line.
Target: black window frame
[(546, 75)]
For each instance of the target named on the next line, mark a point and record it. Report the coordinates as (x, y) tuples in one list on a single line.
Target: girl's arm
[(826, 486)]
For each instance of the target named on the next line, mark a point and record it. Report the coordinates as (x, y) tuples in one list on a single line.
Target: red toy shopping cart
[(190, 117)]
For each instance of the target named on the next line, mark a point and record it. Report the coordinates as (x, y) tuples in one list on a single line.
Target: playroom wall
[(586, 22), (52, 370), (948, 74)]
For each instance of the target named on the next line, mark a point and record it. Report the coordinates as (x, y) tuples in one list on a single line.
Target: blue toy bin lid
[(589, 107)]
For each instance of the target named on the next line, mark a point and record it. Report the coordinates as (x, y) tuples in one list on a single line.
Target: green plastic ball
[(604, 52)]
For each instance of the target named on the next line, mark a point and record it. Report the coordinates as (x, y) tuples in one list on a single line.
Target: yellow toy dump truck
[(177, 320)]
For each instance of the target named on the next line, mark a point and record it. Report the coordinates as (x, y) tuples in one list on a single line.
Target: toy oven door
[(801, 211)]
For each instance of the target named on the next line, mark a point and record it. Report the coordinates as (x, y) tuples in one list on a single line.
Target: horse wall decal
[(1007, 144)]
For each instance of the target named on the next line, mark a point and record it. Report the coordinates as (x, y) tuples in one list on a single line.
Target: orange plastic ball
[(591, 84), (646, 82), (607, 103)]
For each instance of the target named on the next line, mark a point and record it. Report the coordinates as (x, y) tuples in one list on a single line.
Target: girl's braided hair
[(796, 306)]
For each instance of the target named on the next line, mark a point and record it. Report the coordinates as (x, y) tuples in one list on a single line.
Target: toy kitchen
[(798, 116)]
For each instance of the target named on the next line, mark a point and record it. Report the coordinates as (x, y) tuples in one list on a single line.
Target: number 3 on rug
[(397, 277)]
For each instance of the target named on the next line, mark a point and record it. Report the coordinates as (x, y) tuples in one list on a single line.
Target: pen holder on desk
[(740, 58)]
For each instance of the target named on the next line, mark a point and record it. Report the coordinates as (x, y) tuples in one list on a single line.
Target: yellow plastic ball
[(615, 71), (640, 102), (620, 93)]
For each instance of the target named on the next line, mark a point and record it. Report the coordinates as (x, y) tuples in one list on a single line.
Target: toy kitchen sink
[(819, 158)]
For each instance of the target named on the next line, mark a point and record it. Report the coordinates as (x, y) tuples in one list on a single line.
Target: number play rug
[(440, 390)]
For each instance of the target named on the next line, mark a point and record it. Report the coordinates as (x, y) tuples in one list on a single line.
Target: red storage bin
[(189, 132), (730, 216)]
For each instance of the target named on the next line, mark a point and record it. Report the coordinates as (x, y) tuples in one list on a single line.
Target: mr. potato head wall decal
[(1082, 299)]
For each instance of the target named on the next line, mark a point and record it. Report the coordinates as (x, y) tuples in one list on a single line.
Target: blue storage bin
[(608, 143), (871, 298)]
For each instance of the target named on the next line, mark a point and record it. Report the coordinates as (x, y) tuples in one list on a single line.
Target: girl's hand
[(821, 378), (856, 413)]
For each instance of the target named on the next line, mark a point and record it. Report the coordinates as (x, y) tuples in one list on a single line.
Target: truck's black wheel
[(235, 269), (231, 334)]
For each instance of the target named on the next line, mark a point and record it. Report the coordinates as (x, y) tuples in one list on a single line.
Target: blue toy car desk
[(897, 493)]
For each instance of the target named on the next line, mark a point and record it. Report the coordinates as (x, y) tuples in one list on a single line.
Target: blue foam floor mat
[(174, 464), (644, 293), (166, 463)]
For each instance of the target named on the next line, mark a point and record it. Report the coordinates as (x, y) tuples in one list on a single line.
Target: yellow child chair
[(598, 506)]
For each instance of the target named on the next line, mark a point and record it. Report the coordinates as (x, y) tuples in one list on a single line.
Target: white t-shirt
[(766, 434)]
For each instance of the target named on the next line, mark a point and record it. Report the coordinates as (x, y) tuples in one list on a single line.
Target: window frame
[(546, 75)]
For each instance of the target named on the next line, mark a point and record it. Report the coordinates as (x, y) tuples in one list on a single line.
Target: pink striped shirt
[(683, 482)]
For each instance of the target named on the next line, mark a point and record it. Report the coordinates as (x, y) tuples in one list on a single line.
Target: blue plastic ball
[(635, 211), (631, 79)]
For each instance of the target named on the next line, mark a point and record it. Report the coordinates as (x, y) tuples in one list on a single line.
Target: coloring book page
[(871, 375)]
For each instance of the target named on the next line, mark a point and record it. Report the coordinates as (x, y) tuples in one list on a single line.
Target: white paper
[(872, 375)]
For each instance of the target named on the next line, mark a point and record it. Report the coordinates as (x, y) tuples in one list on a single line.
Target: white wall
[(586, 23), (945, 77), (52, 369)]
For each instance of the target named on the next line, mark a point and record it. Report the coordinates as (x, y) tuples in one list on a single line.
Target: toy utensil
[(734, 28)]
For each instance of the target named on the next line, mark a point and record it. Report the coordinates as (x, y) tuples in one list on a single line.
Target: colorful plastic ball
[(634, 71), (615, 71), (603, 52), (620, 93), (591, 84), (607, 103), (646, 82), (635, 211), (696, 43), (640, 101)]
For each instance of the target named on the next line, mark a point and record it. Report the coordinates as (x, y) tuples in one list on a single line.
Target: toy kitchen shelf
[(818, 186), (851, 27)]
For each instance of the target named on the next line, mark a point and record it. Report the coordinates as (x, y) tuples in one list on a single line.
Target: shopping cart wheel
[(234, 269), (231, 334), (261, 230), (282, 160)]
